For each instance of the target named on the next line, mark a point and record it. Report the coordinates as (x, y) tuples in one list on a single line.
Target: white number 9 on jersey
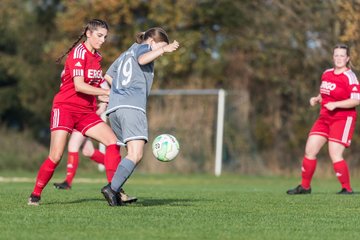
[(126, 72)]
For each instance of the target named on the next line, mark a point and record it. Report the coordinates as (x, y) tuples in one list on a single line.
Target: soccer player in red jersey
[(339, 95), (78, 141), (74, 106)]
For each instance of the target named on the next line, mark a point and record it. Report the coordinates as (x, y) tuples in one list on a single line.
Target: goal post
[(221, 95), (220, 131)]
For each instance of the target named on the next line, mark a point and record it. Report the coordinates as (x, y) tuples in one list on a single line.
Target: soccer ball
[(165, 147)]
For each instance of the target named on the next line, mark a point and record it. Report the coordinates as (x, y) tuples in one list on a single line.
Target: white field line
[(25, 180)]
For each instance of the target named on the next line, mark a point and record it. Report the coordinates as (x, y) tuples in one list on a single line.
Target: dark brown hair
[(156, 33), (343, 46), (92, 25)]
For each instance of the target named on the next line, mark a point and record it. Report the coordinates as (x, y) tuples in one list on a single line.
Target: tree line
[(271, 52)]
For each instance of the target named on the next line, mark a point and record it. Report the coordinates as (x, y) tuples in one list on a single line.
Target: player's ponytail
[(58, 60), (140, 37), (92, 25)]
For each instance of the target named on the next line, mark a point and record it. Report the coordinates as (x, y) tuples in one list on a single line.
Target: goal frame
[(221, 94)]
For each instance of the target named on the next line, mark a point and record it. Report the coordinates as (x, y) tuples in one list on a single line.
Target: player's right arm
[(315, 100), (81, 86)]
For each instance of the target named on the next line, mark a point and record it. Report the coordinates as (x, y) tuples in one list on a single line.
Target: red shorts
[(335, 129), (62, 119)]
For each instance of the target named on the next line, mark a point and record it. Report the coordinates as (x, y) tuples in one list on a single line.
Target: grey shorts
[(129, 124)]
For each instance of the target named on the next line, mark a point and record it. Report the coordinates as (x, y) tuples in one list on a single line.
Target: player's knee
[(135, 156), (109, 141), (87, 152), (140, 159), (55, 157), (310, 155), (335, 157)]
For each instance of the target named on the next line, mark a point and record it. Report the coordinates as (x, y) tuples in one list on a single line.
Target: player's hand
[(103, 98), (315, 100), (101, 108), (171, 47), (330, 106)]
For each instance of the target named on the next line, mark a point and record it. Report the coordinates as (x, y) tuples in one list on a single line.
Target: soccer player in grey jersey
[(131, 77)]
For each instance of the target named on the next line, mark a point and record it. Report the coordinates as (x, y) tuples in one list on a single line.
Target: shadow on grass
[(167, 201), (83, 200), (324, 193), (140, 203)]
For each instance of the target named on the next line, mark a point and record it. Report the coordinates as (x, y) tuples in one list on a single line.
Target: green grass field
[(183, 207)]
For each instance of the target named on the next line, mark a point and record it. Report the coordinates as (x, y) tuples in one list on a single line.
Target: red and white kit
[(71, 109), (337, 125)]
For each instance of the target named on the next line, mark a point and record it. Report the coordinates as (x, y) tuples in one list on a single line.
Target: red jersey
[(337, 87), (80, 62)]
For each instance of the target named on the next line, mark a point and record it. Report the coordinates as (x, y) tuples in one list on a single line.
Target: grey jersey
[(131, 81)]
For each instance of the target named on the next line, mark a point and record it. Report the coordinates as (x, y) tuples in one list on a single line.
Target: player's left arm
[(81, 86), (101, 108), (352, 102), (348, 103), (108, 79), (104, 98)]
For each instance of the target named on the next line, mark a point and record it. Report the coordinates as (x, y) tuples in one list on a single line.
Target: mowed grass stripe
[(179, 207)]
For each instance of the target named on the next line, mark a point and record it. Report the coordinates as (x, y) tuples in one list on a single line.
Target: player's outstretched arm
[(171, 47), (154, 54)]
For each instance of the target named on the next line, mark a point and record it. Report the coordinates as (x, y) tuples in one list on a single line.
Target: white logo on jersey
[(78, 72), (92, 73), (328, 85), (338, 174), (354, 89), (78, 64)]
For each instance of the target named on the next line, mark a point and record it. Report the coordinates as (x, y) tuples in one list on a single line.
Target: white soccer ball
[(165, 147)]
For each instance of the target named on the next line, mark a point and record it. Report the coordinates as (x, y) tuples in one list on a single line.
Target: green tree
[(24, 75)]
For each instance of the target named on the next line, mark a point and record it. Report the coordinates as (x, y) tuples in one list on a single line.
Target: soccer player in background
[(74, 106), (78, 140), (131, 77), (339, 95)]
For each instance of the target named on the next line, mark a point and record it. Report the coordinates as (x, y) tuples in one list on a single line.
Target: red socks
[(111, 160), (98, 157), (342, 173), (341, 170), (307, 172), (44, 175), (72, 166)]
